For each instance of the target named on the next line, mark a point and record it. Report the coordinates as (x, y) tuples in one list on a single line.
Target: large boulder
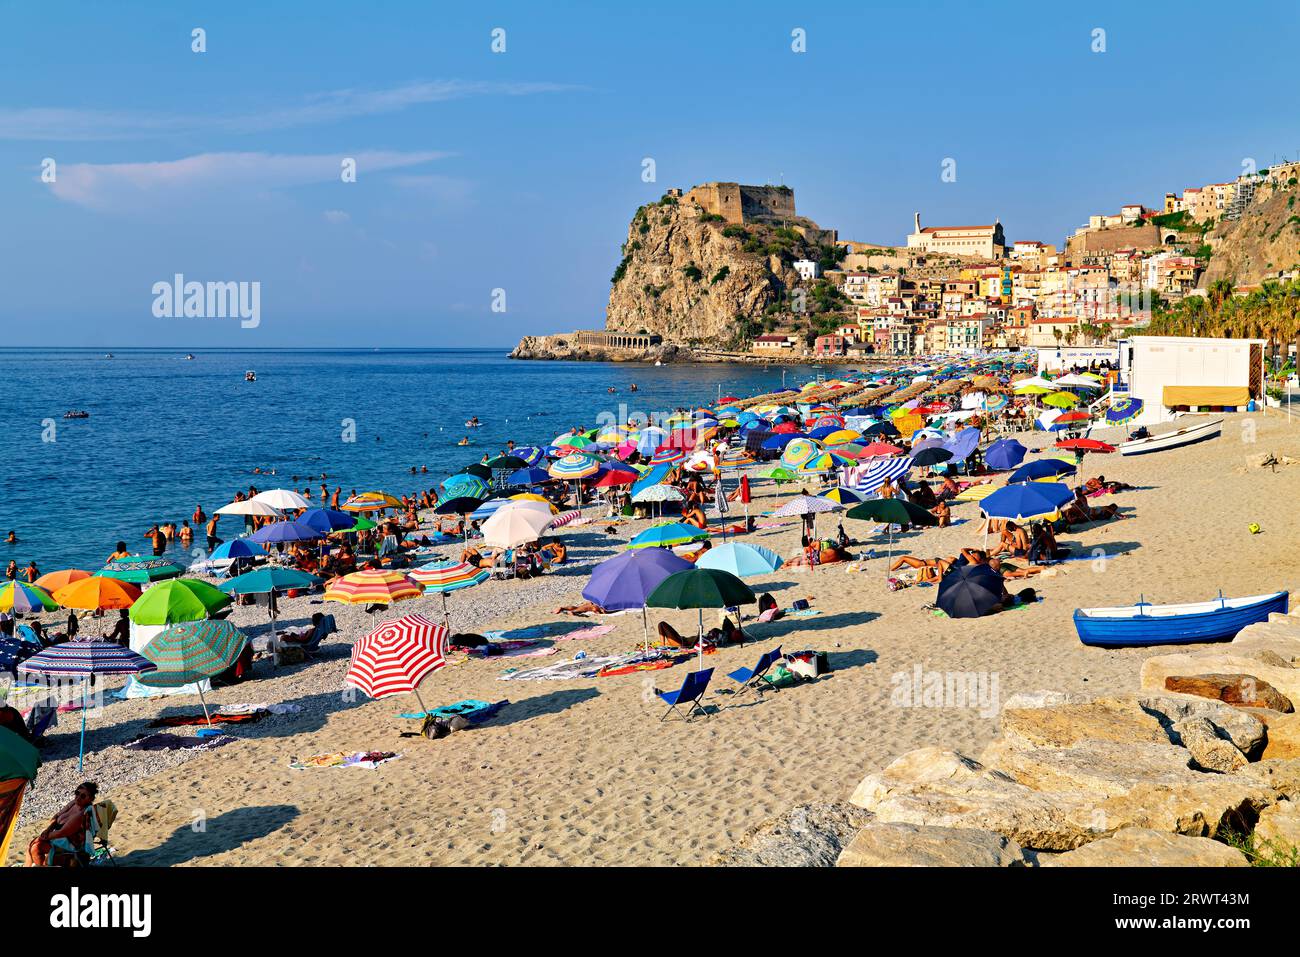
[(1144, 847), (809, 835), (1212, 805), (1282, 734), (1190, 664), (1243, 689), (1243, 729), (1279, 826), (1101, 768), (1063, 725), (1280, 775), (1044, 699), (1208, 750), (912, 845), (935, 787)]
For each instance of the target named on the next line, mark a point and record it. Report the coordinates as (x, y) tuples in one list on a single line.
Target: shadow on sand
[(225, 832)]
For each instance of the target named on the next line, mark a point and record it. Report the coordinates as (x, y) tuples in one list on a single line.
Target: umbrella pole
[(699, 643), (275, 639), (446, 618), (645, 628), (203, 701), (81, 751), (424, 711)]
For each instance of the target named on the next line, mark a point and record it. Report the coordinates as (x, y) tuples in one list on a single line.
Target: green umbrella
[(362, 525), (892, 511), (140, 569), (18, 759), (181, 599), (190, 652), (700, 588)]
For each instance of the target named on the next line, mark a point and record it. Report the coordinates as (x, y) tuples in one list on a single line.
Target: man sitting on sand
[(1014, 541), (1079, 512)]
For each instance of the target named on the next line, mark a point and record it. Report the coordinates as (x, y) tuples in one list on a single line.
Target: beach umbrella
[(97, 593), (799, 451), (532, 475), (842, 495), (1061, 400), (963, 443), (573, 467), (701, 588), (250, 506), (396, 656), (20, 598), (995, 403), (969, 591), (460, 505), (818, 463), (18, 760), (1028, 500), (506, 462), (512, 526), (572, 442), (178, 600), (658, 494), (372, 586), (880, 428), (530, 454), (891, 511), (741, 559), (667, 457), (613, 477), (1076, 381), (1004, 454), (236, 548), (268, 581), (624, 581), (668, 534), (534, 499), (85, 660), (802, 505), (53, 581), (781, 474), (1040, 469), (363, 525), (463, 485), (1123, 410), (138, 569), (371, 502), (284, 499), (442, 577), (477, 470), (285, 532), (13, 650), (876, 449), (327, 520), (930, 456), (190, 653)]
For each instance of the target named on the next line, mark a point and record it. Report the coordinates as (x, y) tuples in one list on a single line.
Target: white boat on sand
[(1172, 440)]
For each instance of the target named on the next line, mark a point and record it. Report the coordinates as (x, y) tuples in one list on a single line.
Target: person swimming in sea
[(464, 441), (11, 538)]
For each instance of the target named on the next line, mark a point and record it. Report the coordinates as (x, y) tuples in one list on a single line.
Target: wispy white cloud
[(67, 125), (114, 186), (336, 217)]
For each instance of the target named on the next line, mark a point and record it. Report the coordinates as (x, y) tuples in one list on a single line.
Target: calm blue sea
[(166, 433)]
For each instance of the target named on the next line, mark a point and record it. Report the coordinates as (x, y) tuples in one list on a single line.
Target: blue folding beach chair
[(692, 690), (753, 677)]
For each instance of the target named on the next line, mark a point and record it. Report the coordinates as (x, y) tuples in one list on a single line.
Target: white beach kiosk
[(1173, 374)]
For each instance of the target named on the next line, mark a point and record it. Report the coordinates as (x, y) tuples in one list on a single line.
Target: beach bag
[(289, 655), (781, 677), (808, 664)]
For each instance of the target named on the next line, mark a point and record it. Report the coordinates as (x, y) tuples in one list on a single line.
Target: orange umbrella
[(97, 593), (53, 581), (372, 586)]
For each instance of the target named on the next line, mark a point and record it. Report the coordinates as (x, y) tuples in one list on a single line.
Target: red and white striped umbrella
[(396, 656)]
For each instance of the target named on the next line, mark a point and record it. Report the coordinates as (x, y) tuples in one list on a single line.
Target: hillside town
[(966, 289)]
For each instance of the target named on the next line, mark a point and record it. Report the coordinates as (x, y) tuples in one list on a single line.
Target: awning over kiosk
[(1202, 395)]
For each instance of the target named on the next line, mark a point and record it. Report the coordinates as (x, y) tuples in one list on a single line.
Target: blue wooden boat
[(1143, 624)]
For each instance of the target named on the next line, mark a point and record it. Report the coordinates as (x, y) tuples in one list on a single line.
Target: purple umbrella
[(963, 443), (625, 580), (284, 532)]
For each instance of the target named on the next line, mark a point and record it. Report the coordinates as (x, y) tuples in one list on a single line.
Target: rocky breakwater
[(1200, 767), (567, 346)]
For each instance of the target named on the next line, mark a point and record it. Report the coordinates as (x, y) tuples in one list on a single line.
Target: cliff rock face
[(688, 278), (1263, 242)]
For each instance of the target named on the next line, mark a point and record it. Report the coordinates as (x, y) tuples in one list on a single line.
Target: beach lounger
[(749, 678), (41, 718), (327, 626), (690, 693)]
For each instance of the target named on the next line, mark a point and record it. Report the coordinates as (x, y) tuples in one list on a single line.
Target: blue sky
[(520, 170)]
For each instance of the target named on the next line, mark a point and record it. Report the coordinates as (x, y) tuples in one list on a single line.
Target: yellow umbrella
[(370, 502), (1032, 390), (1062, 400), (841, 437)]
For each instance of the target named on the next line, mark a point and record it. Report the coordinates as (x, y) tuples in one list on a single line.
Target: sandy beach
[(582, 771)]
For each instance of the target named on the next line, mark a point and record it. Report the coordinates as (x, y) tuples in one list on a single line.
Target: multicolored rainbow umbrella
[(372, 586), (23, 599)]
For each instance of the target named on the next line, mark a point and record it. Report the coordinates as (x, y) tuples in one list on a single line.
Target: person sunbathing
[(1007, 570), (472, 556), (975, 556), (696, 555), (930, 570), (582, 608), (1079, 512), (67, 827), (943, 513)]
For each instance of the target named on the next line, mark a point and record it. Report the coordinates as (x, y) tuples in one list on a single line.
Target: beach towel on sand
[(595, 631), (561, 671), (339, 759), (166, 741)]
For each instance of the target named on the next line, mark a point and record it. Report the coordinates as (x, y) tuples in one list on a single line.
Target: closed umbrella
[(191, 653), (396, 656), (85, 660), (701, 588)]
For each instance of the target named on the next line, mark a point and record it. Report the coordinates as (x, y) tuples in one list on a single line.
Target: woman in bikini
[(69, 826)]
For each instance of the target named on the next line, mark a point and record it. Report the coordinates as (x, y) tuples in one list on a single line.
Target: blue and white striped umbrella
[(886, 469)]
